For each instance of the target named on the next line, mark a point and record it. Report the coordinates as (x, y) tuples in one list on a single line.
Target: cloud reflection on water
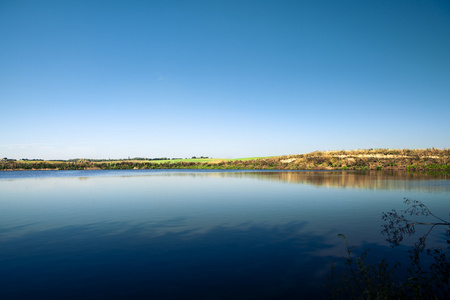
[(132, 261)]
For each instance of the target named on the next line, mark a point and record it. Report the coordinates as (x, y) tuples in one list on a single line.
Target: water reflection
[(341, 179), (191, 234), (126, 261), (376, 180)]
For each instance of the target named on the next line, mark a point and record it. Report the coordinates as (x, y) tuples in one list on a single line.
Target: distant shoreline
[(372, 159)]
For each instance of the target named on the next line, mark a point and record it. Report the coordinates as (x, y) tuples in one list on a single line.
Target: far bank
[(370, 159)]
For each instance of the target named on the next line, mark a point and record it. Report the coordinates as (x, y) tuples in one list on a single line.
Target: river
[(171, 234)]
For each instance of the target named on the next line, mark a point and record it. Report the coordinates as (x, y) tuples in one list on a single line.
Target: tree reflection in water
[(428, 270)]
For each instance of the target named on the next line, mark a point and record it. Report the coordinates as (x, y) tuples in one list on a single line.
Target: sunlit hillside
[(370, 159)]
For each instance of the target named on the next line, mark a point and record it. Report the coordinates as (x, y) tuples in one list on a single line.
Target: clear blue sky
[(112, 79)]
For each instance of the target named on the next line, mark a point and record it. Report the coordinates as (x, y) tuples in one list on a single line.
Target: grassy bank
[(370, 159)]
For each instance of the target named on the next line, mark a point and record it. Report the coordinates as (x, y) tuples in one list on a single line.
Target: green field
[(197, 160), (208, 160)]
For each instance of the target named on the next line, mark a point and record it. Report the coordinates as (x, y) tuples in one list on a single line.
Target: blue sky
[(112, 79)]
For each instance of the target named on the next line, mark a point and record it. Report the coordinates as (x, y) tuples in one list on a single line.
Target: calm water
[(193, 234)]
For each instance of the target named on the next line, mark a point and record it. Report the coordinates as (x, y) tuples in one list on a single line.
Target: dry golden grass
[(365, 159)]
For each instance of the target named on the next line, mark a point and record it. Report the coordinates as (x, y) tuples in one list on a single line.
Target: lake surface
[(160, 234)]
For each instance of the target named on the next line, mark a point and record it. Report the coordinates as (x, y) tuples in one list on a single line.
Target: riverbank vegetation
[(436, 160), (425, 276)]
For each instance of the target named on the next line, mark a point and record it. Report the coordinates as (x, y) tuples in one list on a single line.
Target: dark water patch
[(93, 262)]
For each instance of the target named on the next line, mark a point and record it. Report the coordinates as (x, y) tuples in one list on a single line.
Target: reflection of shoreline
[(374, 180), (363, 180)]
